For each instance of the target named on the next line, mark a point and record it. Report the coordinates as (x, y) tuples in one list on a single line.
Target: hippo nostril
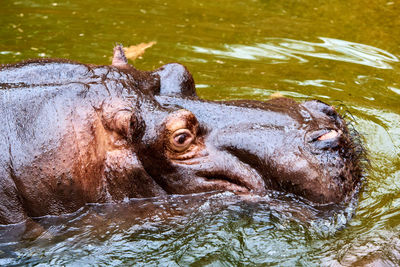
[(319, 106), (330, 111)]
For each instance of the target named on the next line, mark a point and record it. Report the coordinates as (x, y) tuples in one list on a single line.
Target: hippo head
[(188, 145), (76, 134)]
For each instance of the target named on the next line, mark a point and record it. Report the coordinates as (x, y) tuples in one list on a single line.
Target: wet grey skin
[(73, 134)]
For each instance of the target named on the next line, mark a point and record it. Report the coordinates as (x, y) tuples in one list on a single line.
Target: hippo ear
[(176, 80), (119, 59)]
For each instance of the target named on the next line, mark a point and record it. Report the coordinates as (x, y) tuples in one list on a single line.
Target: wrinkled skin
[(73, 134)]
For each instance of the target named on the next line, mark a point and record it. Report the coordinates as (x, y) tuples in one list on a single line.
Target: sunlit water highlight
[(277, 50)]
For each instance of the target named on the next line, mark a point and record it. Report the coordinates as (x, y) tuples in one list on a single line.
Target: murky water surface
[(345, 53)]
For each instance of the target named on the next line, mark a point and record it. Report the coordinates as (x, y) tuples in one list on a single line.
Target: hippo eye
[(181, 140)]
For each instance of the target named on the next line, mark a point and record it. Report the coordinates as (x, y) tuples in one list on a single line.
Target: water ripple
[(280, 50)]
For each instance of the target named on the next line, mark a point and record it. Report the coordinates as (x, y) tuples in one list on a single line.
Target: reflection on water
[(180, 229), (235, 50), (277, 50)]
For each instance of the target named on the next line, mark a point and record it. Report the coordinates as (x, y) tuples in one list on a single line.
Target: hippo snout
[(304, 149)]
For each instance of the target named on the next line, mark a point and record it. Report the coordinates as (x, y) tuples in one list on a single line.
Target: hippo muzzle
[(253, 147), (75, 134)]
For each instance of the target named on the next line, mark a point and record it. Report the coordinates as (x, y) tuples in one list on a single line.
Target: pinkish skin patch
[(119, 58), (330, 135)]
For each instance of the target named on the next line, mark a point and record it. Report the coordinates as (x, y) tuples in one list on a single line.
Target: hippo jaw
[(304, 149)]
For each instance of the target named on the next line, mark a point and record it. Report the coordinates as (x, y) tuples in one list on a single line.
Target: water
[(345, 53)]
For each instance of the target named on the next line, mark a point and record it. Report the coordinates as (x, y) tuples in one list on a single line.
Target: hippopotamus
[(74, 133)]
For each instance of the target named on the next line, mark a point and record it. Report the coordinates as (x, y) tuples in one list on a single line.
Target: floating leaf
[(275, 95), (134, 51)]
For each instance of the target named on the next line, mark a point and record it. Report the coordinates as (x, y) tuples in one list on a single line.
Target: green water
[(345, 53)]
